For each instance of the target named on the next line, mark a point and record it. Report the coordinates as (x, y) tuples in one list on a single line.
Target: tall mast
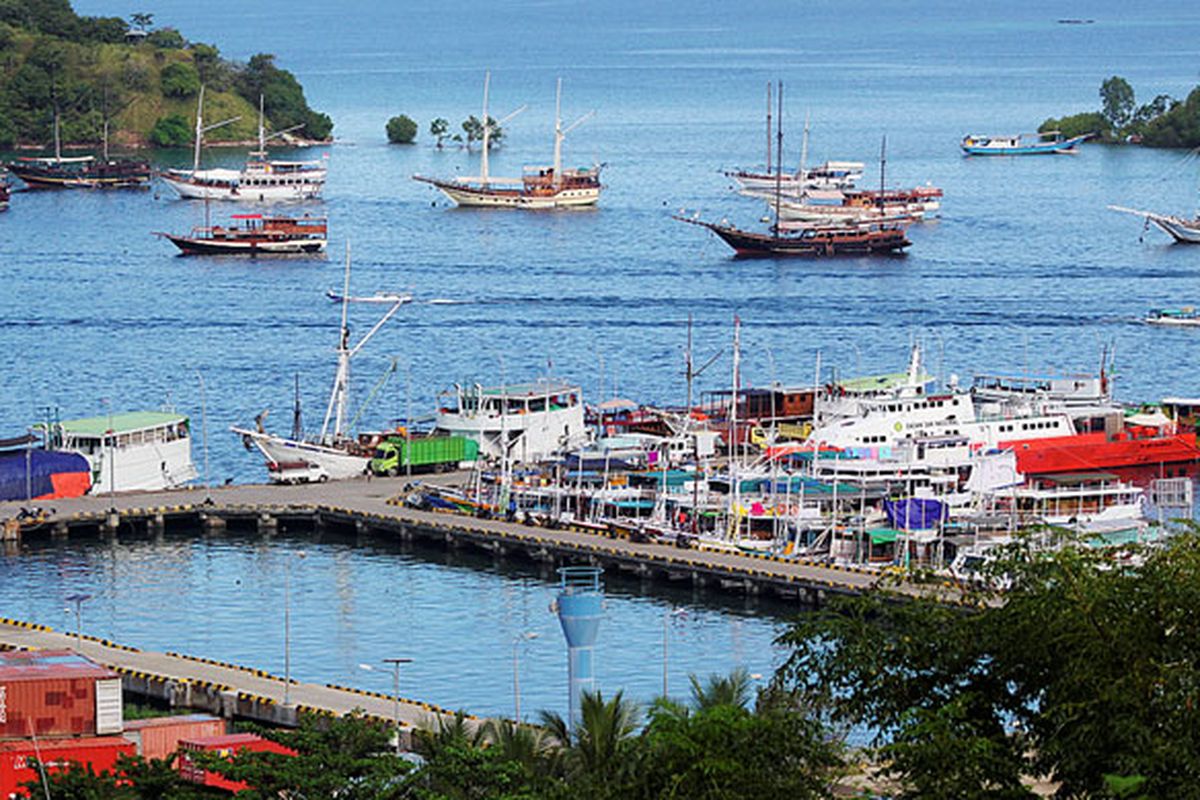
[(483, 167), (199, 130), (882, 171), (558, 134), (690, 374), (803, 155), (262, 131), (779, 157), (57, 138), (733, 428), (770, 132)]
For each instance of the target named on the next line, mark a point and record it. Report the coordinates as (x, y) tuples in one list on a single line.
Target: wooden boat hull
[(135, 177), (476, 197), (841, 243), (1067, 146), (192, 247)]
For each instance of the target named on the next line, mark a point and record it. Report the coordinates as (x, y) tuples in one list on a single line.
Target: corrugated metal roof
[(227, 740), (49, 664), (165, 722)]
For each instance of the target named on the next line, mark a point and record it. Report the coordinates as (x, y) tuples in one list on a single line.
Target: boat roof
[(1181, 401), (529, 389), (53, 160), (1077, 478), (874, 382), (124, 422)]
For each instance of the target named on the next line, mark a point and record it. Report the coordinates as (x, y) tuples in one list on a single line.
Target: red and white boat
[(255, 235)]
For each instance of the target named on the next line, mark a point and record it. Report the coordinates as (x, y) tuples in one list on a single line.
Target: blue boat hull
[(1041, 148)]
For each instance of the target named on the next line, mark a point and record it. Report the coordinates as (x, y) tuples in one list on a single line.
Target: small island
[(1162, 122), (138, 81)]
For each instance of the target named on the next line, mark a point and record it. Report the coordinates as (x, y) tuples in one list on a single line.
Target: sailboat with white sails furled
[(334, 454), (539, 187)]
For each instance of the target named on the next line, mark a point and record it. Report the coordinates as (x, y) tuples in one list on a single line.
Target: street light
[(204, 435), (287, 627), (395, 664), (673, 613), (518, 640), (78, 600)]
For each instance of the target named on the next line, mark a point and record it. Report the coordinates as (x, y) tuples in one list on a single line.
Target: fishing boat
[(333, 454), (866, 237), (538, 188), (1022, 144), (917, 203), (126, 452), (381, 297), (1181, 229), (261, 179), (1186, 317), (255, 235)]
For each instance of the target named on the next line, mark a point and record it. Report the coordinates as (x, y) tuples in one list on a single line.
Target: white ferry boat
[(127, 452), (521, 421), (260, 180)]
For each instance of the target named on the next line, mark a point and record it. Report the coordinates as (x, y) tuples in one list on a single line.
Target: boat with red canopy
[(255, 235)]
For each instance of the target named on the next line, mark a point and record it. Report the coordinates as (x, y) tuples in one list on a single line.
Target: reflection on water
[(455, 614)]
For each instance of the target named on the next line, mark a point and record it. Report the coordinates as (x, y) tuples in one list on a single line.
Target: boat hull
[(324, 462), (476, 197), (194, 247), (192, 190), (745, 243), (1182, 231), (40, 179), (1067, 146)]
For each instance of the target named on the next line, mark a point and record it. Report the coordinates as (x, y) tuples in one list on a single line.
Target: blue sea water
[(1026, 271)]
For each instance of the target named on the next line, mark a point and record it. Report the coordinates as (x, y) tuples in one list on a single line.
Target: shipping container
[(16, 758), (159, 737), (225, 746), (51, 693)]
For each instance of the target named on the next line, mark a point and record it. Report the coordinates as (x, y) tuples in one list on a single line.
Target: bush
[(180, 80), (167, 38), (1079, 124), (171, 131), (401, 130)]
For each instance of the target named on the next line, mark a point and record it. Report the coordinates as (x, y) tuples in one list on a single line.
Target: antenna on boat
[(560, 133), (769, 129), (483, 164), (882, 172), (297, 427), (778, 157)]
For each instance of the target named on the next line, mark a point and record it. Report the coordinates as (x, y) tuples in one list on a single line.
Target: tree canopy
[(401, 130), (87, 68), (1161, 122)]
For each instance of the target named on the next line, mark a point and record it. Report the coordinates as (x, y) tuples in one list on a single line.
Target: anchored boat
[(1022, 144), (1181, 229), (538, 188), (260, 180), (80, 172), (868, 237), (1186, 317), (255, 235)]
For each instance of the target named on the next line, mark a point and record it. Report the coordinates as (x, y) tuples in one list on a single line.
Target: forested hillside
[(143, 80)]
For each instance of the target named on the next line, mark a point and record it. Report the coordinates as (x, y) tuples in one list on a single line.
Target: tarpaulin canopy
[(914, 513)]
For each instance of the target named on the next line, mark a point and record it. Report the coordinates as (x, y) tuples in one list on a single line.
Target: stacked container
[(226, 747), (55, 693), (159, 737)]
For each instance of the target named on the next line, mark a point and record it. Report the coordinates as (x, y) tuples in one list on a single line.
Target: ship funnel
[(580, 605)]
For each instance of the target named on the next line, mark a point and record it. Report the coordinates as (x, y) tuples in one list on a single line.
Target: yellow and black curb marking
[(29, 626)]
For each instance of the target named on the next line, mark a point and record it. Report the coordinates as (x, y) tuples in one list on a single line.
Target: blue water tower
[(580, 605)]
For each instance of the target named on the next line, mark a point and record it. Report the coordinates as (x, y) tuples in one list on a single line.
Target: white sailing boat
[(1181, 229), (334, 454), (260, 180), (539, 187)]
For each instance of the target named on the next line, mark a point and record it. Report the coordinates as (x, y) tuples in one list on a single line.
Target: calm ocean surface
[(1025, 271)]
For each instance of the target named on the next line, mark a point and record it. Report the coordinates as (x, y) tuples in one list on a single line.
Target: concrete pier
[(369, 508)]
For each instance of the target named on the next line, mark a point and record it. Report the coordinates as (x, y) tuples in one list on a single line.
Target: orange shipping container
[(16, 758), (57, 693), (159, 737)]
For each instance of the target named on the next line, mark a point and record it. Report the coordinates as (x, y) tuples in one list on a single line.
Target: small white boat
[(381, 297), (1186, 317)]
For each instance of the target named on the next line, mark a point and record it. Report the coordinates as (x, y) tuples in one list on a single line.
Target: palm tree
[(734, 689), (595, 750), (528, 745), (446, 733)]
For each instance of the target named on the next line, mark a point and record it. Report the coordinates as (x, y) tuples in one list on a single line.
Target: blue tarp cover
[(914, 514), (42, 466)]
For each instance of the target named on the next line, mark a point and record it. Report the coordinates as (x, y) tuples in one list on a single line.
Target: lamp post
[(518, 640), (78, 600), (204, 436), (112, 467), (395, 665), (287, 627)]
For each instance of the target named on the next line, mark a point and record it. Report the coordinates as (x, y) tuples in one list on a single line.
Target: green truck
[(397, 454)]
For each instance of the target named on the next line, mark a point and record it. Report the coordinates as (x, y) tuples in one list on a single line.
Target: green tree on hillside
[(180, 80), (439, 129), (283, 97), (172, 130)]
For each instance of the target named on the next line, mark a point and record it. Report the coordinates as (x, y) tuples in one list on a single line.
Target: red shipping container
[(225, 746), (16, 758), (57, 693), (159, 737)]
